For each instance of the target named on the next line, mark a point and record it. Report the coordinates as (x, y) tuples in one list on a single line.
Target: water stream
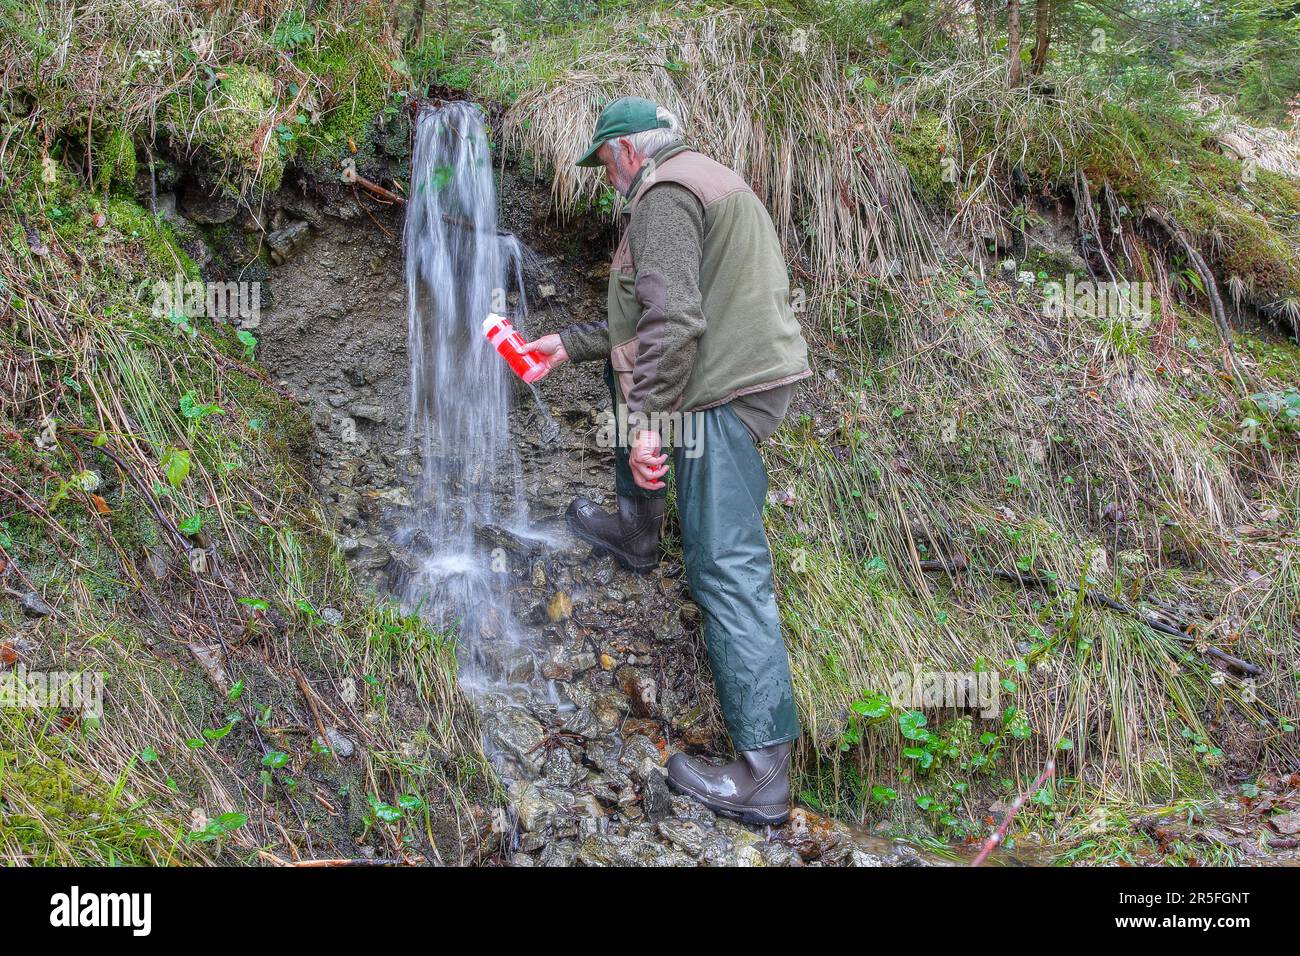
[(459, 267)]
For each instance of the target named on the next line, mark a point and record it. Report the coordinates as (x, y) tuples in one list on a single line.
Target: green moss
[(231, 122), (921, 149), (161, 247), (357, 86), (116, 159), (58, 813)]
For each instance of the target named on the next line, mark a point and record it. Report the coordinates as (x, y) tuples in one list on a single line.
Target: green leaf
[(191, 525), (275, 759), (149, 755), (912, 725), (177, 465)]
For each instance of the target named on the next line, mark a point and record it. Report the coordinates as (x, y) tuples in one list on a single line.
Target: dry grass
[(758, 93)]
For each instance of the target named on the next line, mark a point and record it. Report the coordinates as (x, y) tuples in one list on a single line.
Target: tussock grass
[(760, 93), (1137, 170), (977, 425)]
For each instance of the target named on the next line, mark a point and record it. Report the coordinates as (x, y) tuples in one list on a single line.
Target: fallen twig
[(998, 834), (959, 563)]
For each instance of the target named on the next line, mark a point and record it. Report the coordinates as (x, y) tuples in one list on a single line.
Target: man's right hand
[(551, 350)]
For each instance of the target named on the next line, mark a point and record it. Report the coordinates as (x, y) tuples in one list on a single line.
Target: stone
[(342, 746), (656, 799), (515, 731), (641, 690), (534, 809), (778, 854), (689, 836), (34, 605), (639, 750), (604, 849), (560, 853), (369, 412), (284, 242), (157, 564), (560, 769), (811, 835)]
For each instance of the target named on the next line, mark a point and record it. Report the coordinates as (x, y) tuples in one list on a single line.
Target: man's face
[(621, 165)]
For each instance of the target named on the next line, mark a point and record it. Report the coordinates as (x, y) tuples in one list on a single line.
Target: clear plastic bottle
[(529, 366)]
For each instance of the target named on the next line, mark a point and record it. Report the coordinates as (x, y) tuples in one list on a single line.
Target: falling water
[(459, 267)]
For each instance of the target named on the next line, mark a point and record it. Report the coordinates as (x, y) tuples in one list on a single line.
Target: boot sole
[(752, 815), (602, 548)]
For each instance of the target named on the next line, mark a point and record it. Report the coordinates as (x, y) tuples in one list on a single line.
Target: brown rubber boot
[(631, 535), (755, 788)]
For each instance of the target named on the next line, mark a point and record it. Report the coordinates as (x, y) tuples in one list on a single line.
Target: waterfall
[(459, 267)]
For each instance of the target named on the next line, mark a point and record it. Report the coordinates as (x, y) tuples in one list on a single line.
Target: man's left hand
[(649, 465)]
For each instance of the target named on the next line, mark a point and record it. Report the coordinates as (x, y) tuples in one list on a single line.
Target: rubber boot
[(631, 535), (755, 788)]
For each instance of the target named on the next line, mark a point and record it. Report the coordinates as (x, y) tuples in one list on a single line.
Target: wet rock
[(284, 242), (559, 607), (778, 854), (656, 799), (692, 727), (609, 850), (495, 536), (603, 754), (684, 808), (561, 770), (639, 751), (534, 809), (515, 731), (610, 707), (811, 835), (560, 853), (331, 616), (689, 836), (746, 856), (522, 859), (641, 690)]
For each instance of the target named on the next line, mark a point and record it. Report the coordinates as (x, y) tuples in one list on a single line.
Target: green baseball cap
[(627, 115)]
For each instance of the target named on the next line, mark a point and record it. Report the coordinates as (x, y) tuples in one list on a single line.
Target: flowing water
[(459, 267)]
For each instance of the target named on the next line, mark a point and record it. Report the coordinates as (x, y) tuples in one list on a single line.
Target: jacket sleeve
[(586, 341), (667, 243)]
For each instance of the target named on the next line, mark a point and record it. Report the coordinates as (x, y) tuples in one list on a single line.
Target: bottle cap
[(491, 320)]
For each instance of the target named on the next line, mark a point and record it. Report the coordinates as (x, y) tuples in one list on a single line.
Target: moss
[(231, 122), (161, 247), (117, 162), (58, 813), (357, 84), (921, 148)]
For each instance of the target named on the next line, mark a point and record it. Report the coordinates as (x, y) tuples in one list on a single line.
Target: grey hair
[(650, 141)]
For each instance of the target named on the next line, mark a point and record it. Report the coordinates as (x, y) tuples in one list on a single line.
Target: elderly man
[(699, 327)]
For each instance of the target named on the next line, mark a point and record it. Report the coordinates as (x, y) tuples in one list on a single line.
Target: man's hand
[(648, 465), (551, 349)]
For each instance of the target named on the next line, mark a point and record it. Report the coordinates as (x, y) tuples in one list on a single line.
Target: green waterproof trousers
[(720, 496)]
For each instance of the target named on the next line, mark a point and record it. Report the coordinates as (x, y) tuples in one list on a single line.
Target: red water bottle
[(529, 366)]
